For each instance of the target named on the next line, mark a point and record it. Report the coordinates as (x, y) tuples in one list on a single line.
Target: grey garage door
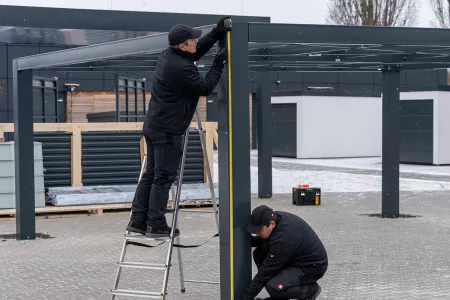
[(284, 130), (416, 131)]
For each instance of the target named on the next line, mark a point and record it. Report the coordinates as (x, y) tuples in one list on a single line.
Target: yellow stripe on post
[(230, 129)]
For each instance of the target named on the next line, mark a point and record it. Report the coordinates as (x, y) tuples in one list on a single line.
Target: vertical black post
[(391, 144), (117, 78), (224, 186), (24, 153), (234, 168), (144, 88), (127, 100), (255, 104), (264, 125)]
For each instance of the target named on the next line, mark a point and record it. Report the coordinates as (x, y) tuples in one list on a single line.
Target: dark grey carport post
[(234, 169), (24, 152), (391, 144), (264, 128)]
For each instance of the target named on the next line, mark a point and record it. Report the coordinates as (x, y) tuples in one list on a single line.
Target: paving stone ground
[(370, 258)]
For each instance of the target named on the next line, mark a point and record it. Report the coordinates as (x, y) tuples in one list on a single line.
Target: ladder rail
[(208, 170), (175, 215), (125, 242)]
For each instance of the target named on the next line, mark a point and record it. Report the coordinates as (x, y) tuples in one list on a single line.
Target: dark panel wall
[(284, 130), (56, 147), (349, 81), (416, 131), (112, 158), (280, 81)]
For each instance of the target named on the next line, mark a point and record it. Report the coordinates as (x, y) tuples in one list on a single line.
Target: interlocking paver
[(370, 258)]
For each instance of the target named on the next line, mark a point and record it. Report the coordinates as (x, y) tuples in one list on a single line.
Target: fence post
[(209, 140), (76, 168)]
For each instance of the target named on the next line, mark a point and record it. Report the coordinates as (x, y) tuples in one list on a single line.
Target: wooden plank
[(67, 209), (76, 167), (40, 127), (142, 149), (216, 138), (209, 141), (106, 126), (97, 209), (111, 126)]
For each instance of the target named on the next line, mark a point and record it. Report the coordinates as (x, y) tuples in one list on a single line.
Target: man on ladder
[(177, 87)]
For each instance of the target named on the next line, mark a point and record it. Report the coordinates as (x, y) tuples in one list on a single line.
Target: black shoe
[(136, 227), (316, 292), (160, 232)]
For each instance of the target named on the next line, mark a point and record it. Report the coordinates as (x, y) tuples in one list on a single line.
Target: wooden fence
[(77, 129)]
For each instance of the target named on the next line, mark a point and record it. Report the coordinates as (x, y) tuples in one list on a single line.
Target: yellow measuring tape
[(230, 131)]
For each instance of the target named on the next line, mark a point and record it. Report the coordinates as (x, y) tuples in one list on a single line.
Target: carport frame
[(234, 159), (23, 136)]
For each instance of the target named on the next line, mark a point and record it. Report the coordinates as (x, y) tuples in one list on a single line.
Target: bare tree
[(401, 13), (441, 10)]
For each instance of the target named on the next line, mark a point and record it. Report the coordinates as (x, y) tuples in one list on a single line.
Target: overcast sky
[(313, 11), (280, 11)]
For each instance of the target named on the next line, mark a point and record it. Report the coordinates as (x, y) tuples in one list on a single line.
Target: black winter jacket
[(177, 86), (292, 243)]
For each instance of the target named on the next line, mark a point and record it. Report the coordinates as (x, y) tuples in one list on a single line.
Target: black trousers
[(164, 152), (290, 283)]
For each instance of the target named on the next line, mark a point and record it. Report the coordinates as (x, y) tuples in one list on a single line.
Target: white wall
[(281, 11), (337, 126), (442, 111)]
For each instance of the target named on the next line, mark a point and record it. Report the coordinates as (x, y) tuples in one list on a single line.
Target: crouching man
[(289, 255)]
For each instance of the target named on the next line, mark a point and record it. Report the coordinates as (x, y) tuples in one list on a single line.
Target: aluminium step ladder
[(136, 239)]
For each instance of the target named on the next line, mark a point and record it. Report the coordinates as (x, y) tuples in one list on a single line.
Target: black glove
[(221, 57), (221, 26)]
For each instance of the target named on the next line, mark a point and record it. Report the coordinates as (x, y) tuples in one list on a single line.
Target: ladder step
[(132, 293), (139, 265), (199, 211), (144, 238), (209, 211), (199, 281)]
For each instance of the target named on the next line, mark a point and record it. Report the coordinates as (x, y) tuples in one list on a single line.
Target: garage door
[(284, 130)]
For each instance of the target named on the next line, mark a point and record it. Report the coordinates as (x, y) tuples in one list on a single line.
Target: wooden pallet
[(59, 211)]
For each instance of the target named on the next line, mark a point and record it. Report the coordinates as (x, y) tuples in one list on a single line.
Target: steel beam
[(50, 17), (277, 49), (24, 153), (313, 68), (100, 69), (348, 35), (348, 68), (147, 44), (234, 168), (351, 58), (391, 144), (264, 125)]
